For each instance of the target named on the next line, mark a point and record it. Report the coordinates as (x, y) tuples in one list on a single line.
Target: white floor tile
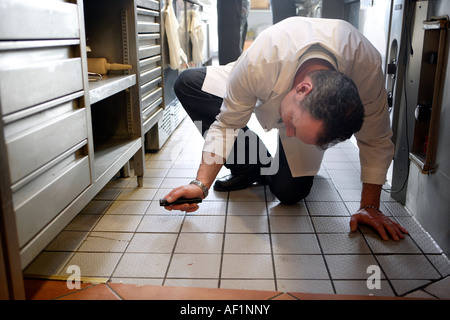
[(300, 267), (247, 243), (166, 223), (201, 266), (193, 283), (118, 223), (128, 207), (247, 208), (106, 242), (291, 224), (247, 224), (199, 243), (298, 243), (137, 265), (305, 286), (248, 284), (359, 287), (247, 266), (407, 267), (351, 267), (343, 243), (203, 224), (93, 264), (152, 243)]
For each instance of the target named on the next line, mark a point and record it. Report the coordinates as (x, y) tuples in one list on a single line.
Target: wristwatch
[(201, 186)]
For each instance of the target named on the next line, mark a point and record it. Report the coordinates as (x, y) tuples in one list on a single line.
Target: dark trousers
[(204, 107), (282, 9), (231, 28)]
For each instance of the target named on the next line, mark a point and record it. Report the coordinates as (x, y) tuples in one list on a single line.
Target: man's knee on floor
[(291, 197), (288, 193)]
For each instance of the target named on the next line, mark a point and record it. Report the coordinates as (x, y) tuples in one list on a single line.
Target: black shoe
[(237, 182)]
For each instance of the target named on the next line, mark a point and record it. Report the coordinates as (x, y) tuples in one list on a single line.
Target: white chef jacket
[(259, 80)]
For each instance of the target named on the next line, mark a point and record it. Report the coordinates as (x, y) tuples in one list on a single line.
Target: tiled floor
[(243, 239)]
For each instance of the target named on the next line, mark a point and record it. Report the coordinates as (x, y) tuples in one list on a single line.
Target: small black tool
[(164, 202)]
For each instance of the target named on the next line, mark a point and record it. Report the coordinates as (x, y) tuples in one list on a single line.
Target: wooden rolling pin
[(100, 65)]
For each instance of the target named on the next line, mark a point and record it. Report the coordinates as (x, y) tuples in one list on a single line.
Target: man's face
[(299, 122)]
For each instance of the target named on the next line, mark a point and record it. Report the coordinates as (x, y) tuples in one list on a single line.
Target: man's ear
[(303, 88)]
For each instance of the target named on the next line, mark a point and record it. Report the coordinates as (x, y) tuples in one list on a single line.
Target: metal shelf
[(110, 85), (113, 155)]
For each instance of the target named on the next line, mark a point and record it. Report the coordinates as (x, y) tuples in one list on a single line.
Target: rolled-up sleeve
[(374, 138), (244, 87)]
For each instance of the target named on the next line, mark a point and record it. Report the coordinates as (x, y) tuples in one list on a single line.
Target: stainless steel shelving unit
[(64, 137), (116, 122), (44, 115)]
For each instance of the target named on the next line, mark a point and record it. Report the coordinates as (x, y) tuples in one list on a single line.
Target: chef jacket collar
[(316, 51)]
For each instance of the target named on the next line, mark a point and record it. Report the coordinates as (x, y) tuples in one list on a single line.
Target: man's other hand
[(378, 221)]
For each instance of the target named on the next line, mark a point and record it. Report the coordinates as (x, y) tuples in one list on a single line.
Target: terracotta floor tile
[(95, 292), (284, 296), (47, 290), (133, 292)]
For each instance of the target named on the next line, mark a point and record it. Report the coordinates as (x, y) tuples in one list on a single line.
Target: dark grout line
[(219, 282), (270, 240)]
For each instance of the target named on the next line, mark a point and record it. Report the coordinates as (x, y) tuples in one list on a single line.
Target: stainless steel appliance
[(374, 23), (383, 23)]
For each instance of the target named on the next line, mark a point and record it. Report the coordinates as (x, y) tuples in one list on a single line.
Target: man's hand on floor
[(378, 221)]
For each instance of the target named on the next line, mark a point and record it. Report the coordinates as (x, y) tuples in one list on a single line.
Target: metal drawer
[(33, 147), (36, 210), (150, 86), (149, 51), (43, 19), (151, 98), (146, 15), (148, 40), (149, 63), (28, 85), (149, 4), (150, 74), (147, 27)]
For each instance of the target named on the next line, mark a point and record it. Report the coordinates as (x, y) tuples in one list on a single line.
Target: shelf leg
[(125, 171), (140, 181)]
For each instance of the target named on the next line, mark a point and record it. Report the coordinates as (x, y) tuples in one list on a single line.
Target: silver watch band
[(202, 186)]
